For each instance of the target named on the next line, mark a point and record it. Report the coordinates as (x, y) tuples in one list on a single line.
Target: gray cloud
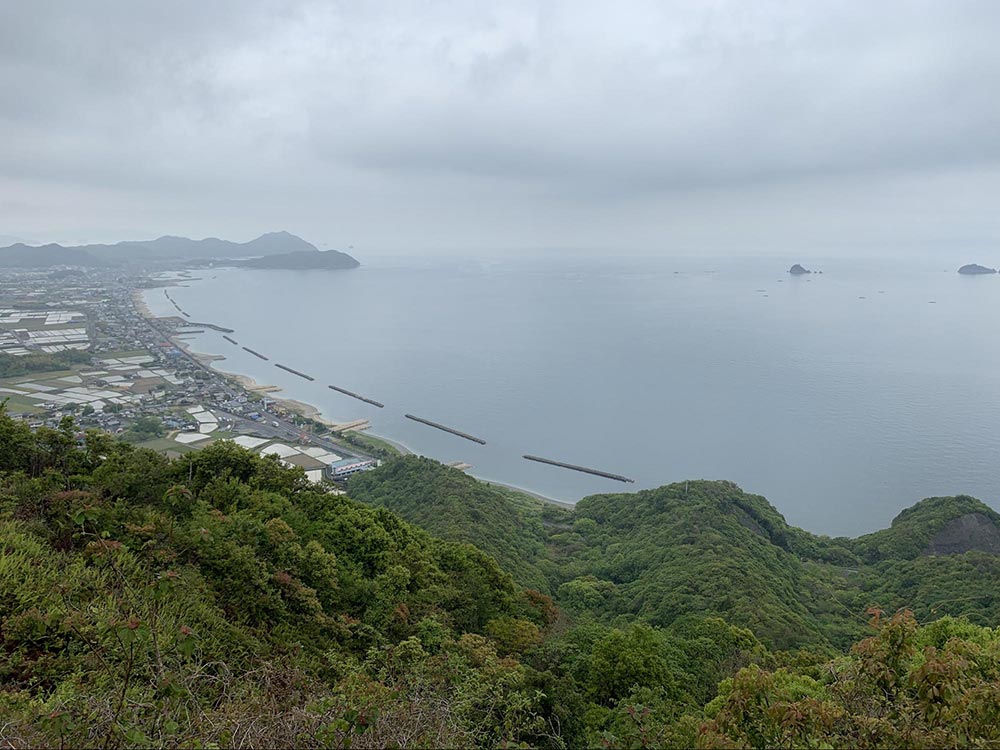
[(442, 123)]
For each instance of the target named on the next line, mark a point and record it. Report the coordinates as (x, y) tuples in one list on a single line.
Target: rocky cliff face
[(973, 531)]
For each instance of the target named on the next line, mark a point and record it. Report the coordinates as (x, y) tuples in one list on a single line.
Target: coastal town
[(81, 345)]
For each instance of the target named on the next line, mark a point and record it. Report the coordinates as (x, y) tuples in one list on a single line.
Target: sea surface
[(843, 397)]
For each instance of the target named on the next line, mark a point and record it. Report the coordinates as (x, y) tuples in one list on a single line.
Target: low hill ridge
[(707, 547)]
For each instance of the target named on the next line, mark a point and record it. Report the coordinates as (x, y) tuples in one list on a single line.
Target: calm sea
[(842, 397)]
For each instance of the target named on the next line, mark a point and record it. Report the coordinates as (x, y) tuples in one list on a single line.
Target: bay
[(842, 397)]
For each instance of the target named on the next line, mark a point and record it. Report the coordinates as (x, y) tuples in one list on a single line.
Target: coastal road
[(287, 431)]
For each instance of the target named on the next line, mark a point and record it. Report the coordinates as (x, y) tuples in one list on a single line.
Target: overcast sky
[(685, 126)]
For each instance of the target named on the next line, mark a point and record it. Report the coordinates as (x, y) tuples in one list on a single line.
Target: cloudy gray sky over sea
[(698, 126)]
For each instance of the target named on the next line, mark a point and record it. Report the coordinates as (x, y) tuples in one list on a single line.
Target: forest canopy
[(221, 599)]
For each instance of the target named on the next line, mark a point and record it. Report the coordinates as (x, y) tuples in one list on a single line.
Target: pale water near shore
[(840, 410)]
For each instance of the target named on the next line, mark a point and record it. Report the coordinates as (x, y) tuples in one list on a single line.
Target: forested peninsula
[(220, 599)]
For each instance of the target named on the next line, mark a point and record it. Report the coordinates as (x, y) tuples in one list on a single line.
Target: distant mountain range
[(163, 249)]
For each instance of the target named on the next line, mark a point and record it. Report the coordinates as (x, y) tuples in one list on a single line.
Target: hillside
[(698, 547), (227, 592), (704, 547), (161, 249), (220, 599), (452, 505), (710, 547)]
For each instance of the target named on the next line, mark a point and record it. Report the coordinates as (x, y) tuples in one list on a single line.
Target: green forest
[(220, 599), (13, 366)]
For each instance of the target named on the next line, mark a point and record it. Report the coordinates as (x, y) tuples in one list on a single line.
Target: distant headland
[(301, 260), (168, 248)]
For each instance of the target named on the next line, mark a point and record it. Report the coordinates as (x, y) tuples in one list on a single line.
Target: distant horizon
[(973, 251)]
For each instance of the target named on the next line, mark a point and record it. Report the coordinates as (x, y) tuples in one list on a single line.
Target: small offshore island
[(974, 269)]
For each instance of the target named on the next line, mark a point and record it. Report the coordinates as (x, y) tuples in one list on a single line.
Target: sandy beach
[(141, 306), (532, 493)]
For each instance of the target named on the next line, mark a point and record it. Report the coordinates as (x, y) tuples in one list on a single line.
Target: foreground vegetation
[(220, 599)]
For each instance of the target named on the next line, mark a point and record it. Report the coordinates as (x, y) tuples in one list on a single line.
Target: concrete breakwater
[(287, 369), (437, 426), (174, 302), (214, 327), (584, 469), (231, 341), (190, 325), (259, 355), (359, 397)]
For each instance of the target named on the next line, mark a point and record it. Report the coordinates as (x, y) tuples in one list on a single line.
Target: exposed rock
[(973, 531), (747, 521), (798, 270), (975, 268)]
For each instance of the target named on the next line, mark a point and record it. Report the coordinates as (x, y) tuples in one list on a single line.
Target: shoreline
[(303, 409), (204, 357), (294, 405), (311, 411), (404, 449), (140, 304), (523, 491)]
